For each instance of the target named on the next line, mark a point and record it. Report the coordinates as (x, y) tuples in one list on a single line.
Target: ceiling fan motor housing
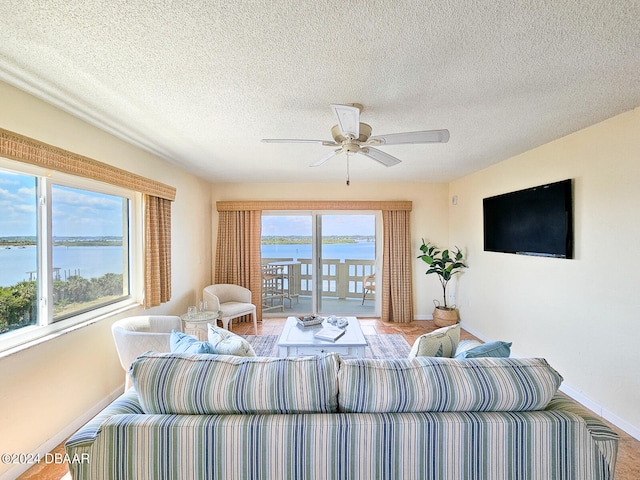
[(365, 133)]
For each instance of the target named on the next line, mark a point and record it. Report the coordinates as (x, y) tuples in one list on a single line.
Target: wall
[(581, 314), (429, 217), (48, 390)]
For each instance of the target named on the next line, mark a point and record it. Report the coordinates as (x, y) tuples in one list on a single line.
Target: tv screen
[(534, 221)]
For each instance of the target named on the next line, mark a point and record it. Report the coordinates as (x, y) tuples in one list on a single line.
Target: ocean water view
[(341, 251), (17, 263)]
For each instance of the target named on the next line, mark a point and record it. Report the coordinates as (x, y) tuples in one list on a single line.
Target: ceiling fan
[(352, 137)]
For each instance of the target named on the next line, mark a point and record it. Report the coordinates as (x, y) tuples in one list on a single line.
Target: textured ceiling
[(201, 82)]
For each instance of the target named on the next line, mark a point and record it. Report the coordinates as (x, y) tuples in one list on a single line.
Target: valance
[(313, 205), (27, 150)]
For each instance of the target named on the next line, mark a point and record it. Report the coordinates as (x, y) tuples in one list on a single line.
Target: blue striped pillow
[(429, 384), (223, 384), (490, 349), (228, 343)]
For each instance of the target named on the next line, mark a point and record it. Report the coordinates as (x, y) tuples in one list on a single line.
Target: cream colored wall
[(582, 315), (429, 217), (45, 389)]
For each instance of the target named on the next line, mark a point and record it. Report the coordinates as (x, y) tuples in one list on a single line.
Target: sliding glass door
[(346, 260), (320, 262)]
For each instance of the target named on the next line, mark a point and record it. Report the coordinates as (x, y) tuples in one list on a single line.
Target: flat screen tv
[(534, 221)]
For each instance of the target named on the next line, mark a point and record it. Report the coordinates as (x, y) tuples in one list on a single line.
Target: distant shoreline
[(307, 240), (9, 242)]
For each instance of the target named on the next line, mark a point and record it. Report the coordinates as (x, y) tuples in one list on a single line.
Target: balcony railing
[(340, 279)]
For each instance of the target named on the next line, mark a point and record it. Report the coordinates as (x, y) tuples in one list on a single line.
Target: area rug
[(380, 346)]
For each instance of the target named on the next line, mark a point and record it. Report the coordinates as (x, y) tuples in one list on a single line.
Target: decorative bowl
[(309, 320)]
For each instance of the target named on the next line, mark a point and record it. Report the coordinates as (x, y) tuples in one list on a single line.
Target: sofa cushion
[(489, 349), (183, 343), (427, 384), (222, 384), (228, 343), (439, 343)]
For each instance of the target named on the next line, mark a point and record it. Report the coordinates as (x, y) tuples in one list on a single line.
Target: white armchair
[(230, 301), (136, 335)]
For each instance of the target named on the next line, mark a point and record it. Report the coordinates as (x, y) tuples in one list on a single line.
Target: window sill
[(29, 337)]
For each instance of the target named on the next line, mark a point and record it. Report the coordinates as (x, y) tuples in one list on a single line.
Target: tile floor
[(628, 465)]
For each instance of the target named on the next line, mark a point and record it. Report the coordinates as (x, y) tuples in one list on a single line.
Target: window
[(65, 251), (89, 249)]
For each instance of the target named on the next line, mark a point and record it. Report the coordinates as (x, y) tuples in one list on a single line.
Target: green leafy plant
[(443, 263)]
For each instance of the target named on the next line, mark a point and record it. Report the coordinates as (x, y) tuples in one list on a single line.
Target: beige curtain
[(157, 258), (397, 258), (238, 252)]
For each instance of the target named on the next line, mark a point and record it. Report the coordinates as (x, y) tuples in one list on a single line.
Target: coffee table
[(298, 341)]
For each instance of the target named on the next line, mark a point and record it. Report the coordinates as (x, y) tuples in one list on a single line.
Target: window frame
[(46, 327)]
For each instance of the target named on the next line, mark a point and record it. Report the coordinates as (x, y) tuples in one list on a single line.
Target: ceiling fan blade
[(329, 156), (348, 119), (380, 156), (427, 136), (295, 140)]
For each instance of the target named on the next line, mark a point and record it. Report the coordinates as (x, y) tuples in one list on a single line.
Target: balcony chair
[(136, 335), (368, 286), (273, 293), (230, 301)]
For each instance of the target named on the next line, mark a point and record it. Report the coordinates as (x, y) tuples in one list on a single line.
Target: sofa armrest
[(603, 436), (599, 430), (126, 403)]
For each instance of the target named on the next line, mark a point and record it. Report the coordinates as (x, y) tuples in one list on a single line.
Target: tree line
[(19, 303)]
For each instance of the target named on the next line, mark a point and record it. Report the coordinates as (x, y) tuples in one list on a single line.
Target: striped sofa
[(195, 416)]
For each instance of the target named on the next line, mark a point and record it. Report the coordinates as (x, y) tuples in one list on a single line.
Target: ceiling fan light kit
[(353, 137)]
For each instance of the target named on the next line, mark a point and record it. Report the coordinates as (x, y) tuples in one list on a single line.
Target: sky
[(79, 213), (75, 213), (282, 225)]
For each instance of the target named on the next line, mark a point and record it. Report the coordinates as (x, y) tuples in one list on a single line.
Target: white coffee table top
[(295, 335)]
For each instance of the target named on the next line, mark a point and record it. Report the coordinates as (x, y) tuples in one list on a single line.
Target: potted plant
[(445, 264)]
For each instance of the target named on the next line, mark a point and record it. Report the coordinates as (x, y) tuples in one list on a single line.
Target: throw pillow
[(183, 343), (439, 343), (228, 343), (489, 349)]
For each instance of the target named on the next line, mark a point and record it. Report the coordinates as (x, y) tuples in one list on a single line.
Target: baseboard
[(53, 442), (601, 411), (422, 317)]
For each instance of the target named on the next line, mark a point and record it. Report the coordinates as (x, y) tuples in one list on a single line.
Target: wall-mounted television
[(534, 221)]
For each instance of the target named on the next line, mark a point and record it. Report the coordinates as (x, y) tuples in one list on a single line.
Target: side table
[(197, 324)]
